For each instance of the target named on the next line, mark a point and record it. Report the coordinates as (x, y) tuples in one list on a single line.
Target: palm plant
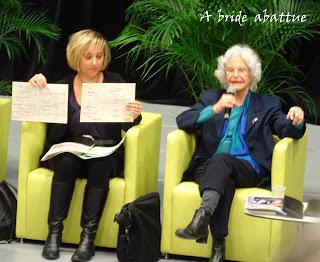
[(170, 34), (20, 27)]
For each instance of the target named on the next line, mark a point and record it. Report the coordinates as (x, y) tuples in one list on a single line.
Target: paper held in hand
[(80, 150), (106, 102), (30, 103)]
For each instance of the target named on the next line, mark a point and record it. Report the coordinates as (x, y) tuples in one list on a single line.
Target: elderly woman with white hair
[(233, 151)]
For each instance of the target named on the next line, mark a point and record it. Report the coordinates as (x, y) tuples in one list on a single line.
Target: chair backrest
[(5, 111)]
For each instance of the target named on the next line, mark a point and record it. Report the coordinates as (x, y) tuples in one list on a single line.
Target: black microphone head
[(231, 90)]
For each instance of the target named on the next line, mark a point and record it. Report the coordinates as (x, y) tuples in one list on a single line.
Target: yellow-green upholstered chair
[(250, 238), (140, 177), (5, 111)]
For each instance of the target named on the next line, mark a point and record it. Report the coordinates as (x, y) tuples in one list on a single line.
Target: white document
[(49, 104), (80, 150), (106, 102)]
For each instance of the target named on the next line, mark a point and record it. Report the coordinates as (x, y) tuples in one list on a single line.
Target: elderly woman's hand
[(295, 114), (38, 80), (226, 101), (134, 108)]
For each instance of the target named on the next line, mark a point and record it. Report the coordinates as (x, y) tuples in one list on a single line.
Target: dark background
[(107, 17)]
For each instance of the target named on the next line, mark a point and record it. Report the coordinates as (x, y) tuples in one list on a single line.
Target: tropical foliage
[(186, 35), (21, 27)]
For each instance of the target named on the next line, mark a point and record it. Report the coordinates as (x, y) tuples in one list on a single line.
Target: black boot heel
[(198, 227), (202, 240)]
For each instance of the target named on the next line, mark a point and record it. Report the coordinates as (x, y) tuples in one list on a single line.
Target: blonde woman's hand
[(135, 108), (38, 80)]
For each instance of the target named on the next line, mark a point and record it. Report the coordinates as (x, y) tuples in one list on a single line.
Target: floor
[(31, 250)]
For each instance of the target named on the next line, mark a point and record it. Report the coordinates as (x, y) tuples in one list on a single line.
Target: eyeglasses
[(240, 70)]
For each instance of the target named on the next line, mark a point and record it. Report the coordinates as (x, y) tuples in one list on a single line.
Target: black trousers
[(224, 173), (67, 167)]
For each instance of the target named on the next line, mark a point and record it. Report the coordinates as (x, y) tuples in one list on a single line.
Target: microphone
[(232, 91)]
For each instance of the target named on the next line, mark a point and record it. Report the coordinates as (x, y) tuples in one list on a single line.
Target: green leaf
[(168, 35)]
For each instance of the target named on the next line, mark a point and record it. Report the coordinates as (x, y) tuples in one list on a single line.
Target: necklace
[(98, 79)]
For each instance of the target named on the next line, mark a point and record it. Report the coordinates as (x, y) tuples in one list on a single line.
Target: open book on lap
[(81, 150)]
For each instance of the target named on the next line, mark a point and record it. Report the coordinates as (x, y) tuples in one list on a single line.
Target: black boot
[(198, 227), (93, 203), (217, 251), (61, 195)]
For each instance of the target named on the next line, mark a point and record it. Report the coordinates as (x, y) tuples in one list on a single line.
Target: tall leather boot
[(93, 204), (198, 227), (218, 251), (60, 199)]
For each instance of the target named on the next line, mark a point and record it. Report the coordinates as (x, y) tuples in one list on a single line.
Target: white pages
[(49, 104), (80, 150), (106, 102)]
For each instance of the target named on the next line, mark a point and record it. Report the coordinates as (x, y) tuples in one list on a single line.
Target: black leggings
[(222, 168), (98, 171)]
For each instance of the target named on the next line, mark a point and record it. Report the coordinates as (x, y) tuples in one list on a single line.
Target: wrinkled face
[(238, 74), (91, 62)]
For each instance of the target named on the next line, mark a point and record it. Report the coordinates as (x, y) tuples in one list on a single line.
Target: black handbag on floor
[(139, 230), (8, 210)]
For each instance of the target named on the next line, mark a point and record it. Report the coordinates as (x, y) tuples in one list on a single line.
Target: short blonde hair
[(249, 56), (80, 41)]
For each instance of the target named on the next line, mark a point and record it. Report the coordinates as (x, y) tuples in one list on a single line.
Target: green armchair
[(5, 111), (34, 183), (250, 238)]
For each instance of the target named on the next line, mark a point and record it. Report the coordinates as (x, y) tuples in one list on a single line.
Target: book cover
[(313, 208)]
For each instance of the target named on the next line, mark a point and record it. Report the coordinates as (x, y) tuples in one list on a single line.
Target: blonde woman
[(88, 54)]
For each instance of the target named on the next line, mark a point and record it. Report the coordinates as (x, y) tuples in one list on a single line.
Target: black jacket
[(264, 118), (57, 133)]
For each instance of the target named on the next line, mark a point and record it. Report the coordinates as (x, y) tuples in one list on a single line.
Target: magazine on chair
[(265, 205), (268, 205)]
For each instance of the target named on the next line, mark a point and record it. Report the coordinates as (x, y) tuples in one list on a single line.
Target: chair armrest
[(142, 148), (5, 110), (288, 165), (179, 150), (31, 146), (32, 143)]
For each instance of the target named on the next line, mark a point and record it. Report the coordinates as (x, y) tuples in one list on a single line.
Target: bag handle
[(124, 218)]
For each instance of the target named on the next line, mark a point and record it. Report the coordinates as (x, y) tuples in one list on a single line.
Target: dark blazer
[(264, 118), (58, 133)]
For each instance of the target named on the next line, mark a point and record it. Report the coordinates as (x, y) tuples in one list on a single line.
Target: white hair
[(249, 56)]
